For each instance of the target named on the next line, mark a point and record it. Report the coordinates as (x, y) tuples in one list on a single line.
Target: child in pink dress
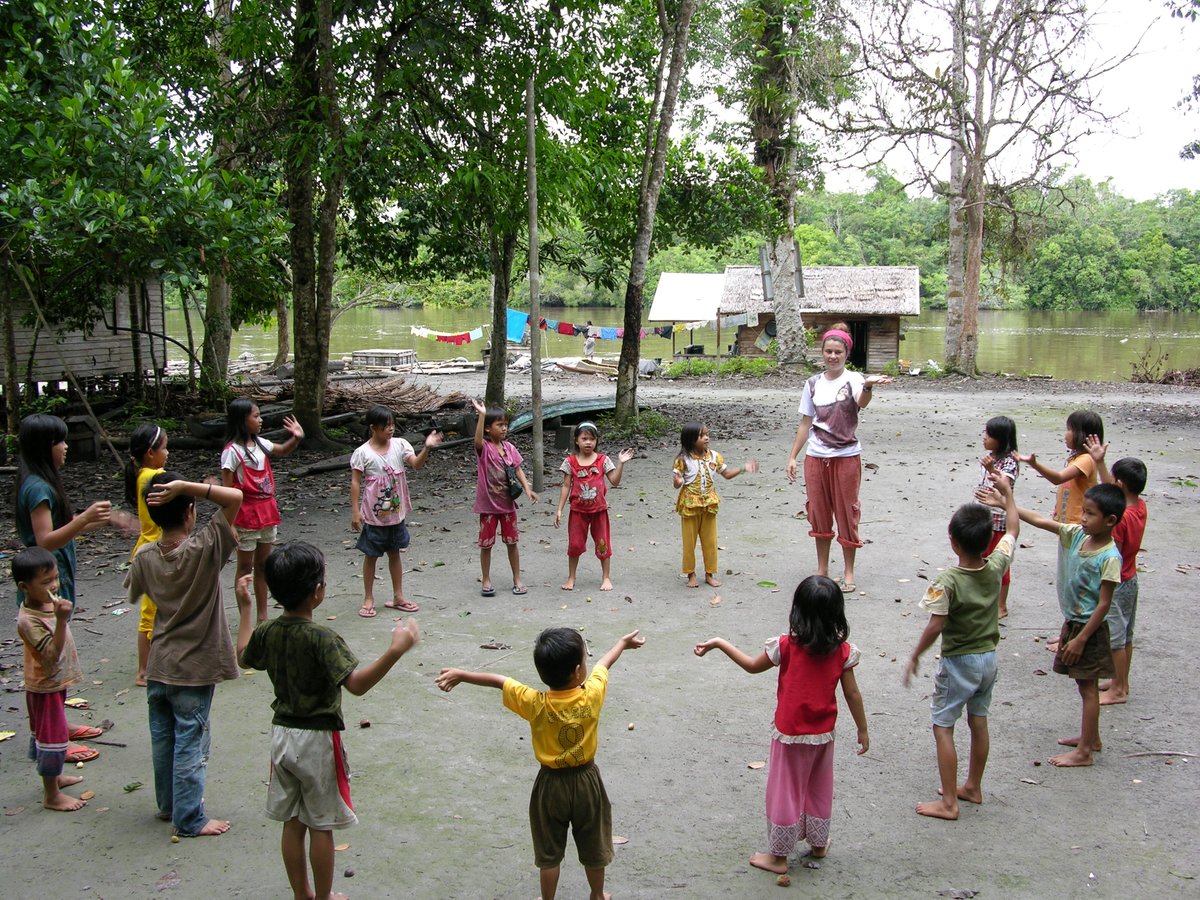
[(496, 508), (584, 474), (813, 658)]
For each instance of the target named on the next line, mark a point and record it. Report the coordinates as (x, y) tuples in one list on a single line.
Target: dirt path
[(442, 781)]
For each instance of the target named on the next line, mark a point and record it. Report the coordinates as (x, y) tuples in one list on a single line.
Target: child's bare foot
[(819, 852), (1105, 685), (1112, 697), (776, 864), (569, 584), (1074, 742), (938, 809), (1076, 757), (971, 795), (711, 580), (213, 827), (606, 585), (61, 802), (68, 780), (1052, 645), (692, 582)]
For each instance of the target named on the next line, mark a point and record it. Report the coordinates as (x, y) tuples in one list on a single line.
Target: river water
[(1084, 345)]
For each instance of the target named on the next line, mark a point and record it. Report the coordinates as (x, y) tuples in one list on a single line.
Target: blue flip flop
[(487, 592)]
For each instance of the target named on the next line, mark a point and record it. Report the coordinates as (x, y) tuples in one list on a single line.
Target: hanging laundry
[(621, 333), (456, 339), (566, 328), (608, 334), (477, 333), (664, 331), (542, 322), (515, 328)]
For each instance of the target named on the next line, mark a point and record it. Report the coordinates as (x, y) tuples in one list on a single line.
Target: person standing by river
[(829, 407)]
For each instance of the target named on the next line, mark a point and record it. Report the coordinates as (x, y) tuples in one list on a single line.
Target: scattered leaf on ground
[(757, 764), (132, 786), (87, 795), (618, 839), (1029, 781), (767, 584), (957, 893), (715, 601), (5, 735), (340, 847), (168, 881), (364, 723), (15, 811)]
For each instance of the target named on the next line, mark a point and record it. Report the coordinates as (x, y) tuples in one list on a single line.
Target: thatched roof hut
[(870, 299)]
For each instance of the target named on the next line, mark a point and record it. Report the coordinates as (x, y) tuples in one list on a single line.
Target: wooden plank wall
[(883, 338), (103, 353)]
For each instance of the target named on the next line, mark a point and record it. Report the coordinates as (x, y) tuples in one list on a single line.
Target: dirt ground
[(441, 782)]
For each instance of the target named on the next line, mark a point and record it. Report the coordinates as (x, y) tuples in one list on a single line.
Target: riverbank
[(441, 781)]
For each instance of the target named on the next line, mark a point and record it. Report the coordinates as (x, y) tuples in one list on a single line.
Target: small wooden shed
[(104, 352), (870, 299)]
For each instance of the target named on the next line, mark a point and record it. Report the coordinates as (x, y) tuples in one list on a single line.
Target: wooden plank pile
[(403, 399)]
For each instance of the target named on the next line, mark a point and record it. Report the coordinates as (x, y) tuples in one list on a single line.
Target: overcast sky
[(1143, 161)]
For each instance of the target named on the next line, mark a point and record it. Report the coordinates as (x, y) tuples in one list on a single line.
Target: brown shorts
[(576, 798), (1096, 660)]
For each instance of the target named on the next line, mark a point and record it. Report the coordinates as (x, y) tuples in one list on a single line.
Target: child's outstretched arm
[(228, 498), (933, 630), (1037, 520), (404, 636), (797, 445), (1096, 451), (295, 436), (418, 460), (1053, 476), (48, 537), (480, 411), (630, 641), (563, 494), (854, 701), (1000, 495), (614, 477), (750, 467), (752, 664), (448, 679)]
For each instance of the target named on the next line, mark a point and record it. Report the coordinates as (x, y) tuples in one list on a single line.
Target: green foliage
[(650, 424), (752, 366)]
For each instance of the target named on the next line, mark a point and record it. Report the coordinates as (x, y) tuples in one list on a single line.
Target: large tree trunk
[(535, 286), (784, 258), (502, 248), (956, 203), (655, 164), (961, 358)]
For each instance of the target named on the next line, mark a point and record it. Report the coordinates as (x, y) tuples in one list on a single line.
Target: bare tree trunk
[(184, 295), (784, 258), (535, 278), (956, 263), (656, 163), (133, 300), (502, 247), (281, 325)]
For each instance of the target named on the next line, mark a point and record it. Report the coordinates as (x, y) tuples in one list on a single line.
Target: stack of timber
[(403, 399)]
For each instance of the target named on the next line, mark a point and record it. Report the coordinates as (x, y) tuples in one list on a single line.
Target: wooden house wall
[(104, 352), (883, 337)]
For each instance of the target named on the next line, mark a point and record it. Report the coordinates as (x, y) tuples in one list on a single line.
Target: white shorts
[(248, 540), (310, 779)]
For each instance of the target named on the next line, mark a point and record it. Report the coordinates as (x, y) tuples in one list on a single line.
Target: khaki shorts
[(1096, 660), (310, 779), (573, 797), (248, 540)]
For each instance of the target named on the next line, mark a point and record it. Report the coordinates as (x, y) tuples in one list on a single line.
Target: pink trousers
[(832, 488)]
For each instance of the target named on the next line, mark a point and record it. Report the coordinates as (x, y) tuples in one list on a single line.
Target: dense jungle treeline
[(1083, 247)]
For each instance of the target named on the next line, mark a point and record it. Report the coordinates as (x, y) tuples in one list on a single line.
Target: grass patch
[(650, 424), (753, 366)]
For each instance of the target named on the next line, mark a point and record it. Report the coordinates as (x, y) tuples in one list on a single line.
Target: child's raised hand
[(448, 678), (405, 635), (631, 641), (751, 466), (704, 646), (990, 496), (164, 493), (292, 427), (988, 462), (62, 609), (479, 407), (99, 513), (1029, 459), (434, 439), (241, 590), (1095, 449), (627, 454)]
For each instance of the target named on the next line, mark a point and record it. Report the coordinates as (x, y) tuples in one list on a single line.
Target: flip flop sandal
[(487, 592), (84, 732), (520, 589), (403, 606), (77, 753), (367, 612), (848, 587)]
